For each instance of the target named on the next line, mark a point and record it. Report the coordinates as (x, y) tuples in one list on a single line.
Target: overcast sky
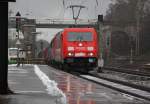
[(58, 8)]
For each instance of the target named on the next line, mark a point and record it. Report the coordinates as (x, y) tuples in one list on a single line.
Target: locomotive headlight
[(90, 54), (90, 48), (70, 54), (70, 48)]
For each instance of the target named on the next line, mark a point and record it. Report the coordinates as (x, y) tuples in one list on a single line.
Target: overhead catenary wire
[(67, 3)]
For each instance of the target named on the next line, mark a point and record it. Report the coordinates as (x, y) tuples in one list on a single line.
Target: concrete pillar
[(29, 38)]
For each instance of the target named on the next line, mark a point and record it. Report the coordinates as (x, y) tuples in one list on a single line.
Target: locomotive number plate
[(79, 54)]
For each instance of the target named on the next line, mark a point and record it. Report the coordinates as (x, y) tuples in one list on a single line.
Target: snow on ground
[(51, 85)]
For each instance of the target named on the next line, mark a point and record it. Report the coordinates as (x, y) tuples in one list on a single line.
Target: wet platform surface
[(27, 87), (80, 91), (30, 89)]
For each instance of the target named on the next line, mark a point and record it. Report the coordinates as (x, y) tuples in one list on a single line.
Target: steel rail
[(134, 86), (128, 71), (144, 88), (118, 89)]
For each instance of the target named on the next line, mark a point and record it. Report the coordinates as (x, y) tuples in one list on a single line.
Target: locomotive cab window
[(80, 36)]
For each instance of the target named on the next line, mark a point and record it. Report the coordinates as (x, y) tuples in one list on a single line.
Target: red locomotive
[(74, 47)]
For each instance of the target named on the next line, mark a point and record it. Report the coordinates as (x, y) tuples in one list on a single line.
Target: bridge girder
[(64, 25)]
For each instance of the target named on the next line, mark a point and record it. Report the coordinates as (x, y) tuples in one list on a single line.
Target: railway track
[(144, 88), (127, 89), (121, 86), (124, 87), (128, 75), (128, 71)]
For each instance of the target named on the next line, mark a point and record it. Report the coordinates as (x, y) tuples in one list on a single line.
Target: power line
[(73, 11), (97, 2)]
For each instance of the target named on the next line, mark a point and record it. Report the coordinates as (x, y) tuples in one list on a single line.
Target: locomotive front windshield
[(80, 36)]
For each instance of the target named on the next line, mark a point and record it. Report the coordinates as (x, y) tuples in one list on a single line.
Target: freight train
[(74, 48)]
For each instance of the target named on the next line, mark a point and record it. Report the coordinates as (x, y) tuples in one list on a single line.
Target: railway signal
[(100, 21), (18, 22), (100, 60), (100, 18)]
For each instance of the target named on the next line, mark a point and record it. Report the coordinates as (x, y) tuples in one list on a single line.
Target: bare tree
[(133, 11)]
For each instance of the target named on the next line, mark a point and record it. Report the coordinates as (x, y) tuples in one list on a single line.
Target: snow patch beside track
[(51, 85)]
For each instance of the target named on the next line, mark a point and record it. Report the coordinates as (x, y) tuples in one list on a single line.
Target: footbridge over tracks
[(53, 23), (63, 23)]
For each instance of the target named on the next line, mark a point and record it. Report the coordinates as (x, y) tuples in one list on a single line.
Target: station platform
[(42, 84), (27, 88)]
